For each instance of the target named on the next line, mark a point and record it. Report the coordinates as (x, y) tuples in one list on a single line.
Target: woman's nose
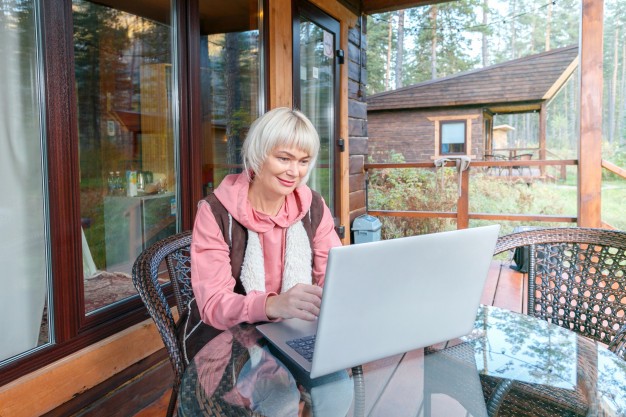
[(292, 168)]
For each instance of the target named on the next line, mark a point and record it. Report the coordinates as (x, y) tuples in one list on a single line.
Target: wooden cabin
[(75, 70), (454, 115)]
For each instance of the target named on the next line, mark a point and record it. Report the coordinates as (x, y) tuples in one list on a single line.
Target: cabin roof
[(525, 82)]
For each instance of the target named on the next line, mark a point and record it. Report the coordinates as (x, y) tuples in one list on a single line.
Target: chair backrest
[(174, 250), (576, 277)]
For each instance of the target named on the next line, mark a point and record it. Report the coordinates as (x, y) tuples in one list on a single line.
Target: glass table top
[(510, 364)]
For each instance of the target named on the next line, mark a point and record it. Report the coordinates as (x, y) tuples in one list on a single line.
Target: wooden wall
[(412, 134)]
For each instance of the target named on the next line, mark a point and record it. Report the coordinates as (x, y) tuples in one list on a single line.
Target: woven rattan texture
[(507, 398), (576, 278), (174, 250)]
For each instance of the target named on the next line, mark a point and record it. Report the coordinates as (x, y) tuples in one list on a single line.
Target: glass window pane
[(453, 137), (317, 94), (123, 61), (453, 132), (231, 82), (23, 242)]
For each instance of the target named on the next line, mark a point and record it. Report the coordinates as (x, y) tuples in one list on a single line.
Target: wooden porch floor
[(504, 288)]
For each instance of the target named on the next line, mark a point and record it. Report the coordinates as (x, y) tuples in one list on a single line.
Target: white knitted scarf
[(297, 261)]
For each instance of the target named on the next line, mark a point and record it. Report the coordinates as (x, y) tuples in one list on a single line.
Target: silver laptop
[(388, 297)]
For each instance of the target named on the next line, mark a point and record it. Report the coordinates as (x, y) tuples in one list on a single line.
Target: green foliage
[(411, 189), (445, 38), (377, 48), (613, 197)]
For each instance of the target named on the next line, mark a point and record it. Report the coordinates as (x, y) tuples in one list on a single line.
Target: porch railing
[(462, 214)]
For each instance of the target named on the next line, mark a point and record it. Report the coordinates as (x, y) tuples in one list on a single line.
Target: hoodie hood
[(233, 194)]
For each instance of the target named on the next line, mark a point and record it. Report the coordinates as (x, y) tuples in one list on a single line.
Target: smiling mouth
[(286, 183)]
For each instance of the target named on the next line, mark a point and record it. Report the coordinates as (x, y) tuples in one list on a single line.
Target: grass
[(613, 203)]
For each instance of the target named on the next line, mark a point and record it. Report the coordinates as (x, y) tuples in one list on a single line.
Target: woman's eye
[(305, 162)]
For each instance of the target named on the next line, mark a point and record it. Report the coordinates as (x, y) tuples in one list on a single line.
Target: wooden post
[(543, 127), (590, 144), (462, 205), (280, 54)]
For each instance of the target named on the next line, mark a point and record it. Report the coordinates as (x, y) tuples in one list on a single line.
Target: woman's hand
[(302, 301)]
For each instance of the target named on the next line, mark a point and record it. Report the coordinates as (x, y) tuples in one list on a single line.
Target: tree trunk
[(548, 26), (622, 107), (232, 96), (485, 45), (433, 42), (388, 69), (513, 32), (400, 49)]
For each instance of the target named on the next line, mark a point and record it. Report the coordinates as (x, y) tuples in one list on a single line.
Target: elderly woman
[(261, 240)]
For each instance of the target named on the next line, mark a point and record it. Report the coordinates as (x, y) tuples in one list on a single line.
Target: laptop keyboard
[(304, 346)]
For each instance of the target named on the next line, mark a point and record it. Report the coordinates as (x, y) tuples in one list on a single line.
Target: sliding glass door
[(316, 90)]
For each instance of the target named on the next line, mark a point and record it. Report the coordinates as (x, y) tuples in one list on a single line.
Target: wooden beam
[(78, 372), (523, 217), (614, 168), (344, 157), (543, 128), (475, 216), (280, 54), (379, 6), (340, 12), (462, 205), (556, 87), (590, 145)]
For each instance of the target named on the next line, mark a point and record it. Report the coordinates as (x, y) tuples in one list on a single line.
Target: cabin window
[(453, 137)]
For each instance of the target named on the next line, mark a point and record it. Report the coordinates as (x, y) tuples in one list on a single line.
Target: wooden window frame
[(437, 120), (462, 122)]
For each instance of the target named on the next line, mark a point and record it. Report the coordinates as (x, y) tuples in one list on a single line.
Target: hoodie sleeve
[(212, 280), (324, 239)]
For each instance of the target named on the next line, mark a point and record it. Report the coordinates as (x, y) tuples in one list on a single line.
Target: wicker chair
[(175, 251), (576, 279)]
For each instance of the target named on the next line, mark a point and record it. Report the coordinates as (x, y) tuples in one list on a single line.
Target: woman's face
[(283, 170)]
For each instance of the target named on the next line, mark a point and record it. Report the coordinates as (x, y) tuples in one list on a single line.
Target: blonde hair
[(279, 127)]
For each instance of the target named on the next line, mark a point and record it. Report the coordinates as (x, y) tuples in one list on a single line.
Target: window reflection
[(232, 91), (123, 64), (317, 82)]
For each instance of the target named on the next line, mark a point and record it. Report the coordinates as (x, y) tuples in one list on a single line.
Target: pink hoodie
[(211, 274)]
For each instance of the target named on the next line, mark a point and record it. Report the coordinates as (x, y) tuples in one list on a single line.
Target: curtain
[(23, 253)]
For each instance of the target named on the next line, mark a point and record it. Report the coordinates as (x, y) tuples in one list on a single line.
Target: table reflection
[(239, 374), (525, 350)]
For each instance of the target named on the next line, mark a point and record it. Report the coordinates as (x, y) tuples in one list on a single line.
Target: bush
[(412, 189)]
